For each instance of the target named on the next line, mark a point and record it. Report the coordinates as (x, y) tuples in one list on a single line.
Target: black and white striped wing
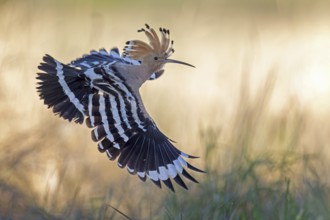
[(151, 155), (122, 131), (101, 57), (109, 106), (63, 88)]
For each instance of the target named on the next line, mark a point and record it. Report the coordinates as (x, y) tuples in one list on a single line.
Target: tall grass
[(242, 182), (277, 183)]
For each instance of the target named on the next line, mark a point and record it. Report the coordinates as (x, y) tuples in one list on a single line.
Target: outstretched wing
[(124, 132), (63, 89), (150, 154), (95, 91), (101, 57)]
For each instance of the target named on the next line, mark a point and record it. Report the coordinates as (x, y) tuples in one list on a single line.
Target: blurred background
[(256, 110)]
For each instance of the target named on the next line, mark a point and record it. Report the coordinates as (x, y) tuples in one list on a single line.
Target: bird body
[(102, 89)]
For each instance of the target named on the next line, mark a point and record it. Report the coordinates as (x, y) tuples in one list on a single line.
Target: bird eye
[(155, 58)]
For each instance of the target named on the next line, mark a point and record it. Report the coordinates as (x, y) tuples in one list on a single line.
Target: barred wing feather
[(96, 92), (103, 57), (63, 89)]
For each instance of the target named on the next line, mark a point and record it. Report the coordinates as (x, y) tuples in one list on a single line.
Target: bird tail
[(62, 88)]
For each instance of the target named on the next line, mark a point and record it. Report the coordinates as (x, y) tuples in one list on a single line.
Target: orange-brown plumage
[(152, 55), (137, 49)]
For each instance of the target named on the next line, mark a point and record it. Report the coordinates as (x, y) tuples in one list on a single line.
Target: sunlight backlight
[(313, 88)]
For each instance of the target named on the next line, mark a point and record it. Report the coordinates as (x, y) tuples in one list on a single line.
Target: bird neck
[(135, 75)]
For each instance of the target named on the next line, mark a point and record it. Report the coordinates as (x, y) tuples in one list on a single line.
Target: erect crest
[(137, 49)]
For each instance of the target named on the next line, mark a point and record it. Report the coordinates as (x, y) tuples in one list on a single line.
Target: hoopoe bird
[(102, 89)]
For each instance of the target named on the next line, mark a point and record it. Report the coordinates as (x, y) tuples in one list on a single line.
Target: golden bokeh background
[(260, 92)]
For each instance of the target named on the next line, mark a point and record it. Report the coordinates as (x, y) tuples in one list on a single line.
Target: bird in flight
[(102, 89)]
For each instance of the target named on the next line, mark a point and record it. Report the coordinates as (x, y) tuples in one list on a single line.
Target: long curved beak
[(178, 62)]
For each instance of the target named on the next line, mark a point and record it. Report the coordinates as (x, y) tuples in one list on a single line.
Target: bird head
[(156, 52)]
